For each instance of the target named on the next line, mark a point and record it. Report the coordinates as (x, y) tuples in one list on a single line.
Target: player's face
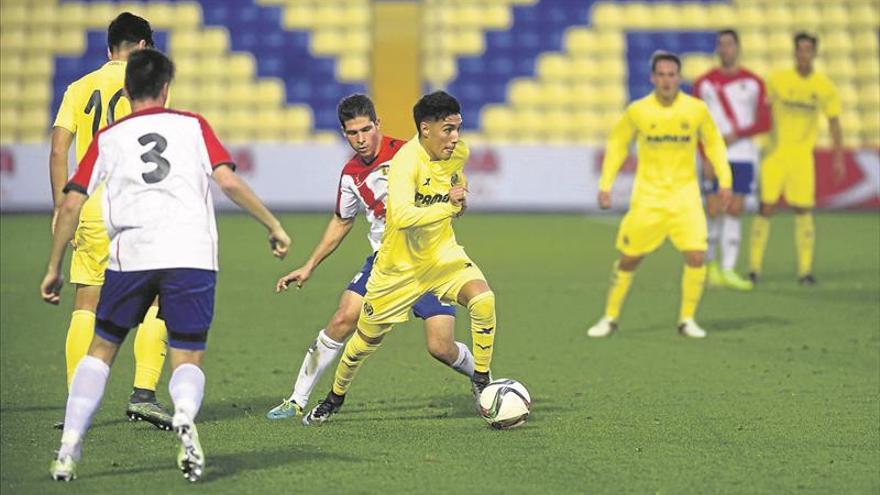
[(363, 136), (804, 53), (440, 137), (666, 78), (728, 50)]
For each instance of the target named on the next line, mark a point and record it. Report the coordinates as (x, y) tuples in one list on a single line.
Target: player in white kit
[(738, 103), (363, 185), (155, 165)]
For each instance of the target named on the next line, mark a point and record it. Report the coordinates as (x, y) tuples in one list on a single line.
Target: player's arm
[(831, 108), (716, 152), (615, 153), (334, 234), (65, 226), (402, 210), (63, 132), (241, 194)]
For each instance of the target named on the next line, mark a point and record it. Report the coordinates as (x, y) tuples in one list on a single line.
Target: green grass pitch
[(782, 397)]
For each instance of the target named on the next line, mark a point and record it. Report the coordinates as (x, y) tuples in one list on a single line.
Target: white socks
[(730, 238), (86, 392), (187, 387), (319, 356), (714, 226), (464, 364)]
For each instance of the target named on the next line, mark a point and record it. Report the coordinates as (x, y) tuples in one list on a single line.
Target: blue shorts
[(427, 306), (186, 303), (743, 178)]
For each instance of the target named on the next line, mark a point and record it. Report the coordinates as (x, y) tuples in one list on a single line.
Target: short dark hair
[(128, 28), (146, 73), (356, 105), (803, 36), (435, 106), (660, 55), (728, 32)]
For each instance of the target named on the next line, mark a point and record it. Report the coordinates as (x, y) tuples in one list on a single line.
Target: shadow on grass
[(29, 409), (744, 323)]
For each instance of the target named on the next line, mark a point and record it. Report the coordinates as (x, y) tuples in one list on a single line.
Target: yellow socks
[(620, 283), (758, 242), (692, 282), (482, 310), (356, 351), (79, 338), (804, 240), (149, 350)]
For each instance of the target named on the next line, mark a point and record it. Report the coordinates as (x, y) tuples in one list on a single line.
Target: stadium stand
[(273, 70)]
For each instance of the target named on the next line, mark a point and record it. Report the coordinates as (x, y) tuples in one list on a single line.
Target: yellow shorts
[(790, 173), (92, 245), (390, 297), (644, 229)]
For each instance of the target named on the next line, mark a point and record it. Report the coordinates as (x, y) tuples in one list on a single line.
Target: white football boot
[(191, 458), (689, 328), (603, 328)]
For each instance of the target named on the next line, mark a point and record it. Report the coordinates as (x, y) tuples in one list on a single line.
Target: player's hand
[(724, 197), (731, 138), (50, 287), (458, 195), (604, 199), (299, 276), (279, 242), (463, 208), (838, 168), (708, 171)]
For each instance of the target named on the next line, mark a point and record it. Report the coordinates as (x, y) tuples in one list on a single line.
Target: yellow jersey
[(667, 139), (418, 217), (796, 102), (92, 102)]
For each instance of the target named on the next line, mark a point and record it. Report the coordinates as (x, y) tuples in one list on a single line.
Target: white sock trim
[(326, 340)]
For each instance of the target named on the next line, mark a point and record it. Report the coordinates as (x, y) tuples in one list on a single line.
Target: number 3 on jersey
[(154, 155)]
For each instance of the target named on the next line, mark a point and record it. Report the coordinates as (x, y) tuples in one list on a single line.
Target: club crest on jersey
[(368, 309), (685, 126), (454, 179)]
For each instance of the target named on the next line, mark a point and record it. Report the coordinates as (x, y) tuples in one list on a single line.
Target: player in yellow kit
[(419, 253), (666, 195), (91, 103), (797, 97)]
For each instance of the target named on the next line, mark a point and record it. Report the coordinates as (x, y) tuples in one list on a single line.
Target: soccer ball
[(505, 403)]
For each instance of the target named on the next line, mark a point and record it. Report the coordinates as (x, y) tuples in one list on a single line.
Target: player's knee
[(341, 326), (766, 209), (442, 350), (694, 258), (482, 306), (629, 263), (735, 209)]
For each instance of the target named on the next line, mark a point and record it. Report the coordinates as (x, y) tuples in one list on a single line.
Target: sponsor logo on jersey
[(429, 199), (668, 138)]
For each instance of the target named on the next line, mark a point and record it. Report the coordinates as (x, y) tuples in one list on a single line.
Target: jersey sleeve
[(217, 154), (347, 202), (763, 119), (831, 100), (84, 179), (617, 149), (402, 211), (714, 148), (65, 117)]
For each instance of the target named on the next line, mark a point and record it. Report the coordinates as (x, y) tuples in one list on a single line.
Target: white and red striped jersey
[(363, 186), (738, 104), (156, 165)]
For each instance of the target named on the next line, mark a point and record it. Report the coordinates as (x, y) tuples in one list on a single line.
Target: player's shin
[(356, 351), (79, 337), (805, 238), (320, 354), (714, 226), (187, 387), (730, 239), (150, 344), (620, 283), (482, 311), (758, 242), (86, 392), (692, 282)]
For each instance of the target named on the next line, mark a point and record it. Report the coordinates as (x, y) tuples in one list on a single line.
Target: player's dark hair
[(128, 28), (146, 73), (802, 36), (435, 106), (660, 55), (356, 105), (728, 32)]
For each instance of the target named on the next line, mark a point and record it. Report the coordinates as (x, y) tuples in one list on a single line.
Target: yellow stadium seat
[(693, 16), (40, 42), (865, 43), (184, 96), (610, 43), (753, 42), (241, 66), (188, 15), (553, 66), (867, 69), (43, 15), (469, 16), (611, 68), (158, 13), (99, 15), (865, 15), (718, 16), (240, 94), (582, 68), (214, 42), (328, 15), (69, 41), (524, 93), (469, 42), (36, 95), (612, 96), (851, 123), (749, 16), (298, 15), (497, 17), (849, 94), (75, 15), (556, 95), (327, 41), (9, 117), (352, 68), (184, 42), (269, 92), (440, 70), (11, 67), (578, 41), (37, 69), (496, 120), (840, 68), (869, 95), (271, 126), (10, 93), (357, 40), (298, 120), (637, 15), (584, 95), (607, 15), (12, 15)]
